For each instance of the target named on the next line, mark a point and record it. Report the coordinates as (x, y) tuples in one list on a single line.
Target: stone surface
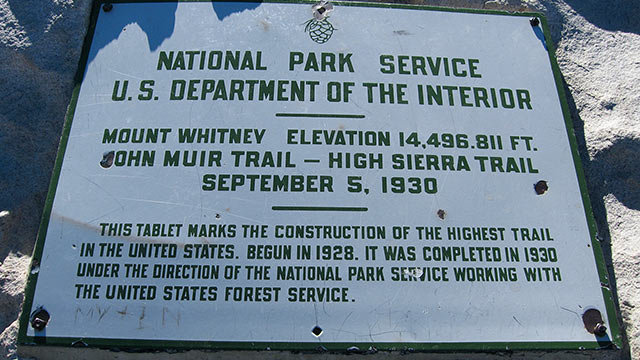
[(598, 47)]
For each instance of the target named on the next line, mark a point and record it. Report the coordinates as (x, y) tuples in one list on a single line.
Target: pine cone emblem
[(319, 28), (319, 31)]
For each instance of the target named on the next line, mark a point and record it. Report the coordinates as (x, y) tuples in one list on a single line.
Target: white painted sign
[(256, 175)]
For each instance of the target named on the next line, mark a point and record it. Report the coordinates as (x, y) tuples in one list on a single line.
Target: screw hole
[(316, 331), (534, 21), (441, 214), (40, 318), (107, 159), (107, 7), (541, 187), (321, 10)]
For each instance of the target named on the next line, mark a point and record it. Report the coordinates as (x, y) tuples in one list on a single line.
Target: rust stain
[(123, 312)]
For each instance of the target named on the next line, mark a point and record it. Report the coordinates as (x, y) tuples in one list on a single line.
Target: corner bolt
[(39, 319), (600, 330)]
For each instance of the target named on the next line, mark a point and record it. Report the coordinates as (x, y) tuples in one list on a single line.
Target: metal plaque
[(295, 175)]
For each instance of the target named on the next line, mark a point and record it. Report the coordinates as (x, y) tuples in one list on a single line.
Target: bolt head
[(107, 7), (600, 329), (38, 324), (534, 21), (593, 322), (40, 319)]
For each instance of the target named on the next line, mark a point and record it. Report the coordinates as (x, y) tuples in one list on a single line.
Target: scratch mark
[(95, 103), (103, 215), (190, 206), (125, 74), (120, 176), (79, 311), (371, 335), (141, 318), (315, 309), (257, 221), (324, 310), (519, 323), (250, 201), (160, 202), (343, 322), (123, 312), (101, 188), (569, 310), (102, 313)]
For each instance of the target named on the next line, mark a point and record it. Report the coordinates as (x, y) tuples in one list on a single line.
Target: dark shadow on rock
[(618, 171), (224, 9), (157, 22), (613, 15), (603, 176), (31, 138), (47, 24)]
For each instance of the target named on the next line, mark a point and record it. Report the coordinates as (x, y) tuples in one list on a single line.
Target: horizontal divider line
[(318, 208), (334, 116), (312, 160)]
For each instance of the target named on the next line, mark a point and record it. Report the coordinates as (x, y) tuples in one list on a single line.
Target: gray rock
[(598, 47)]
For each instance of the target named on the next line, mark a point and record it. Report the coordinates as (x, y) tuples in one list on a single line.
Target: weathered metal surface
[(276, 175)]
